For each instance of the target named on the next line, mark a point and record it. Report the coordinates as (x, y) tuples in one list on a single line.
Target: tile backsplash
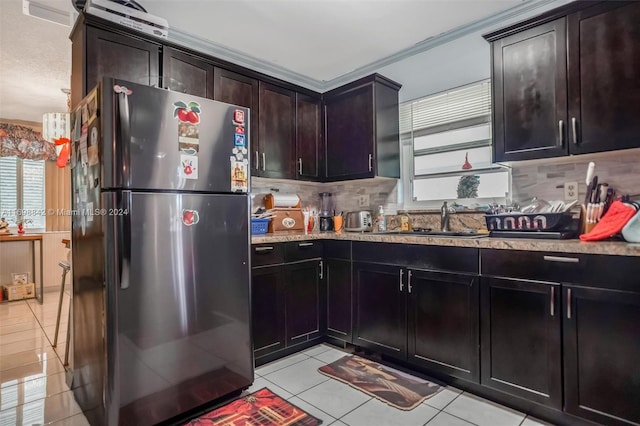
[(381, 191), (541, 178)]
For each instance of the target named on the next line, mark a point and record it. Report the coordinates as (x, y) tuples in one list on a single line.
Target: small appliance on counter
[(286, 213), (326, 212), (359, 221)]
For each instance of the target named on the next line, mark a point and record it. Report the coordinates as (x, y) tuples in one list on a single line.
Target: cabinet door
[(338, 279), (277, 123), (380, 312), (118, 56), (350, 134), (604, 77), (443, 322), (530, 93), (237, 89), (304, 301), (267, 309), (601, 353), (187, 74), (308, 137), (520, 343)]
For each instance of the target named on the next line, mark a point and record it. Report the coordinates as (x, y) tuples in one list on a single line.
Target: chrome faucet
[(444, 218)]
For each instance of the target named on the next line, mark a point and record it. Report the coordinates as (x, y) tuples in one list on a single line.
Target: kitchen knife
[(591, 169)]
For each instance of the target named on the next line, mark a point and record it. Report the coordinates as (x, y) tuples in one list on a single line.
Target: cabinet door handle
[(305, 244), (257, 163), (300, 166), (264, 162), (574, 129), (553, 301), (409, 281), (568, 303), (321, 270), (370, 162), (561, 132), (401, 275), (262, 249), (561, 259)]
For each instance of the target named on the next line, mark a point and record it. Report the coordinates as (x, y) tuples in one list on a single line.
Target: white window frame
[(20, 195), (407, 172)]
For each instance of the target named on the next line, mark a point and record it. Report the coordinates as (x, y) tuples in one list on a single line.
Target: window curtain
[(57, 196), (23, 142)]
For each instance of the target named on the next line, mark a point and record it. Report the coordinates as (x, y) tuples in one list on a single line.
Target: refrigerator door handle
[(124, 242), (122, 158)]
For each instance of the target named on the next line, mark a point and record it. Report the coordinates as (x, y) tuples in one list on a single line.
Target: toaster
[(359, 221)]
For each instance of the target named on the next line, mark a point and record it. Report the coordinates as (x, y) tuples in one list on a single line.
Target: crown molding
[(231, 55), (217, 50)]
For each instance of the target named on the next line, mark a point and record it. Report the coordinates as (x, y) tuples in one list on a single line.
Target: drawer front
[(455, 259), (302, 250), (602, 271), (337, 249), (267, 254)]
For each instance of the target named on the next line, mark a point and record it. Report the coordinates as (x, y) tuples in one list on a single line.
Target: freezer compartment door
[(181, 293), (164, 140)]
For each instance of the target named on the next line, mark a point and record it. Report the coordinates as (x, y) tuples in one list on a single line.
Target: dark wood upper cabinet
[(604, 77), (530, 93), (362, 130), (238, 89), (308, 137), (566, 82), (277, 132), (521, 339), (186, 73), (97, 53), (601, 352), (443, 322)]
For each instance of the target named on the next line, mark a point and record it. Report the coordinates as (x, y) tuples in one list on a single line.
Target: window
[(446, 149), (22, 188)]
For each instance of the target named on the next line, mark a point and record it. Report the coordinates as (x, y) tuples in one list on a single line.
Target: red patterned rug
[(389, 385), (261, 408)]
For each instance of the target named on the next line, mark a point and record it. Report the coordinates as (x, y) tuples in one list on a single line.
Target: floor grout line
[(289, 365)]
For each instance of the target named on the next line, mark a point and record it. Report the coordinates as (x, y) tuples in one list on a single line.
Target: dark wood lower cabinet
[(339, 300), (602, 354), (380, 311), (304, 296), (443, 322), (268, 309), (521, 339)]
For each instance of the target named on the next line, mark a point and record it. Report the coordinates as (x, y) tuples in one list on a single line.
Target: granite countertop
[(619, 248)]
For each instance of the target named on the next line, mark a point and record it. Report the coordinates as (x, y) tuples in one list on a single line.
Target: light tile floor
[(296, 379), (33, 389)]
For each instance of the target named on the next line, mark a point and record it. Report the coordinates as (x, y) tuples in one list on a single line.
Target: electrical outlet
[(570, 191), (363, 200)]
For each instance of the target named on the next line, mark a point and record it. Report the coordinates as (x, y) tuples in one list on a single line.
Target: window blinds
[(459, 107), (22, 187)]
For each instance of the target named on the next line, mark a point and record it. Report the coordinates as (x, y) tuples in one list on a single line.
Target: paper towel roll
[(285, 200)]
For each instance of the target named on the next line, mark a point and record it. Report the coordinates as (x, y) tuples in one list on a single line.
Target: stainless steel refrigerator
[(161, 275)]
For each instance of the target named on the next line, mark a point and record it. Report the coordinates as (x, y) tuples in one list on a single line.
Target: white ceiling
[(316, 40)]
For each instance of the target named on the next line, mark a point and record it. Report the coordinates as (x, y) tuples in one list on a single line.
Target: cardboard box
[(19, 291)]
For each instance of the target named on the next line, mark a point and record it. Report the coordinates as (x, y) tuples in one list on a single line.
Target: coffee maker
[(326, 212)]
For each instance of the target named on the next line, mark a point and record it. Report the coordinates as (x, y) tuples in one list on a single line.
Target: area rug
[(389, 385), (261, 408)]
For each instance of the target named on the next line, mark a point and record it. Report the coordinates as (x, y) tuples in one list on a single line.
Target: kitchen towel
[(612, 223)]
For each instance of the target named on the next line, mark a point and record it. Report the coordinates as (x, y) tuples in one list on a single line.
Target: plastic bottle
[(382, 220)]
